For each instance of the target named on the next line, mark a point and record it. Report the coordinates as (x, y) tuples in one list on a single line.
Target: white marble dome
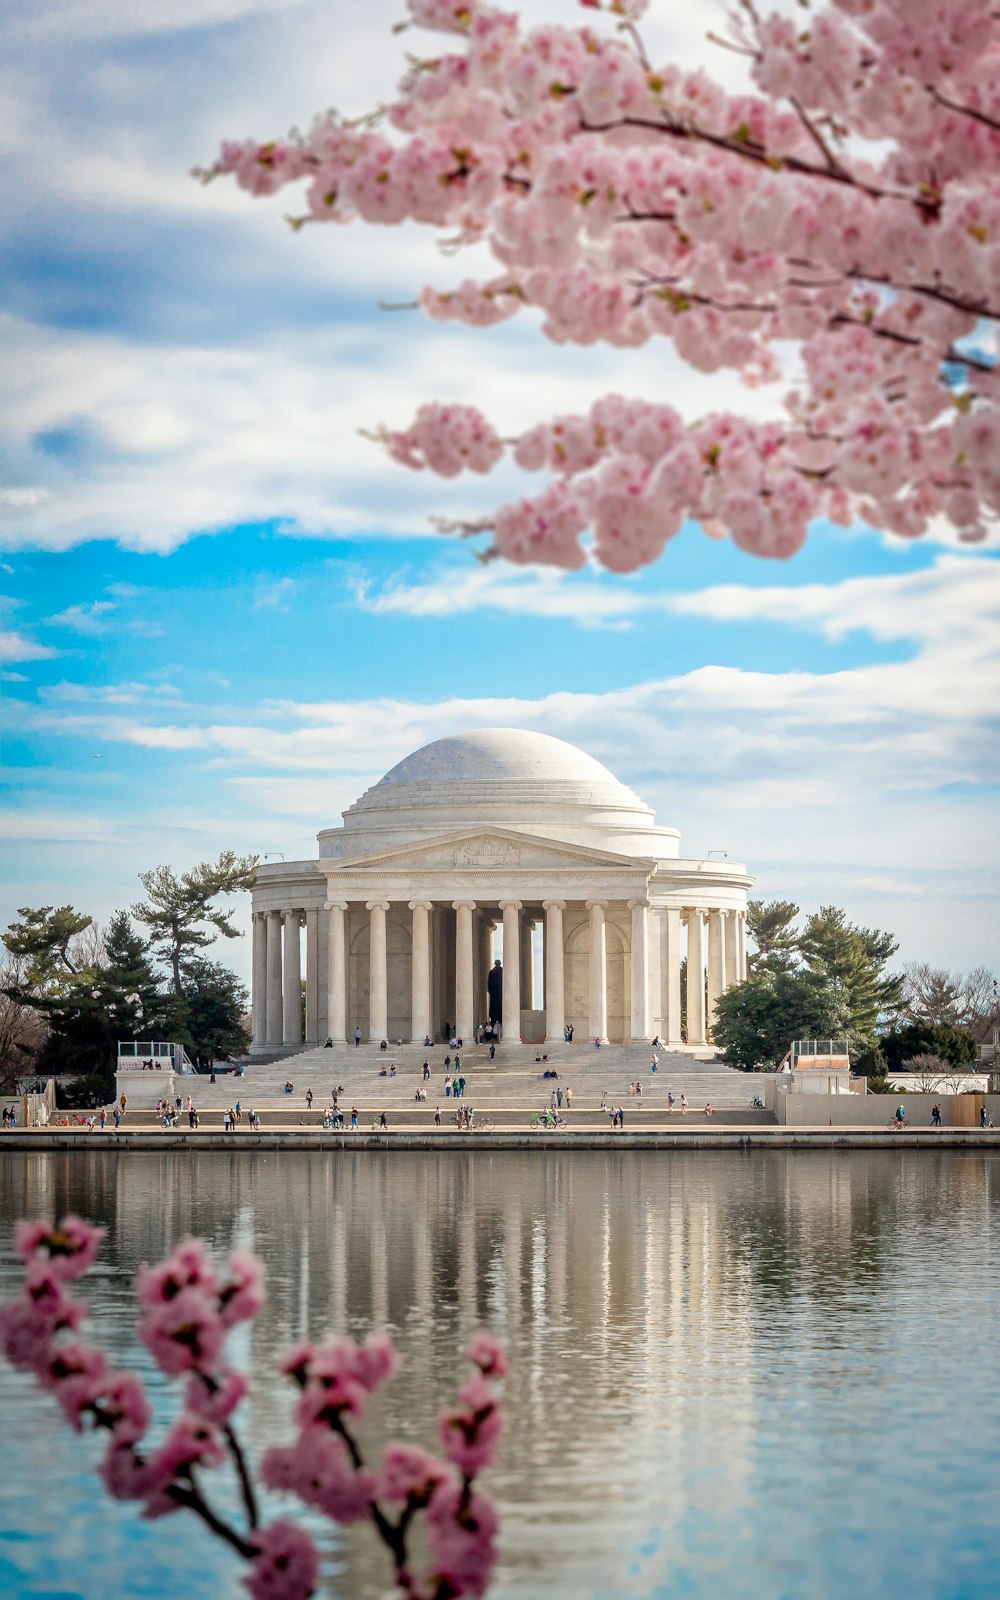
[(508, 777)]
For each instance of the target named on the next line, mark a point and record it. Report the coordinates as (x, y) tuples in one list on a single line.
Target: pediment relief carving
[(488, 853)]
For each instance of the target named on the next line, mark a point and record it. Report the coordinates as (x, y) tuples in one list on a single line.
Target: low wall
[(875, 1110)]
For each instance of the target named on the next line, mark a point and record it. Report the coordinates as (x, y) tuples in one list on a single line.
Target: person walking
[(354, 1116), (569, 1098), (309, 1099), (437, 1116), (357, 1037), (118, 1118), (670, 1100), (684, 1103), (447, 1086), (935, 1115), (226, 1122), (427, 1071), (621, 1116)]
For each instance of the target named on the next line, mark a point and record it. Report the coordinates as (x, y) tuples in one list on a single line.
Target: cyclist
[(900, 1117)]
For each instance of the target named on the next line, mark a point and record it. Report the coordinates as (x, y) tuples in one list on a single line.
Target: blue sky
[(225, 615)]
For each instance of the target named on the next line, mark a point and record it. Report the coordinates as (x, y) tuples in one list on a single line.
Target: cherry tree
[(836, 228)]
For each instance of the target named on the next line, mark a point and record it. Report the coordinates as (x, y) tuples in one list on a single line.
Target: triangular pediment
[(485, 851)]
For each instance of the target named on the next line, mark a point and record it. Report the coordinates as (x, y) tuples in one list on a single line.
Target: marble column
[(336, 972), (555, 978), (670, 965), (291, 1009), (716, 962), (640, 970), (259, 978), (731, 920), (695, 976), (420, 971), (598, 970), (312, 976), (511, 970), (274, 977), (527, 962), (378, 990), (464, 1020), (741, 940)]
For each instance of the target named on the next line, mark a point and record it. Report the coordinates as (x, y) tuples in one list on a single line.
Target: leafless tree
[(951, 999), (22, 1031), (929, 1072)]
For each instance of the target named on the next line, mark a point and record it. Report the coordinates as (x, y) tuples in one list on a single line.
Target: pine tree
[(771, 927), (177, 907)]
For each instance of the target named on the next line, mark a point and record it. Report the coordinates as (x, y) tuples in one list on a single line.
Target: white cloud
[(89, 619), (15, 647), (274, 594)]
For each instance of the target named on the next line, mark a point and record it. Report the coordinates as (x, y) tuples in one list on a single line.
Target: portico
[(592, 898)]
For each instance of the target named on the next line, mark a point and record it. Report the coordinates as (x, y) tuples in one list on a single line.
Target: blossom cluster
[(187, 1309), (839, 220)]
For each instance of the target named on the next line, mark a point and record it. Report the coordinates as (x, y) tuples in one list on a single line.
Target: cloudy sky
[(225, 613)]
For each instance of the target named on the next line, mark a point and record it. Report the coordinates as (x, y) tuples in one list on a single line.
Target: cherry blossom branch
[(187, 1310)]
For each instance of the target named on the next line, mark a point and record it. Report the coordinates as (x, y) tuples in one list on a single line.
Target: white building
[(495, 828)]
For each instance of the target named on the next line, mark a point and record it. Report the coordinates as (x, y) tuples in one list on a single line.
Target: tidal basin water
[(756, 1374)]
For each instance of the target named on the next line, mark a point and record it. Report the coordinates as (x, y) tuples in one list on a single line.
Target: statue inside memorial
[(494, 992)]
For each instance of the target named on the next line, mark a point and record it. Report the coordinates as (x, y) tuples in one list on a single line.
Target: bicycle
[(898, 1124), (484, 1125)]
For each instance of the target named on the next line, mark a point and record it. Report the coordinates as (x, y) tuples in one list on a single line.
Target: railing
[(156, 1055), (818, 1048)]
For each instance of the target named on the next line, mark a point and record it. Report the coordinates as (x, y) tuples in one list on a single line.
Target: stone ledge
[(674, 1139)]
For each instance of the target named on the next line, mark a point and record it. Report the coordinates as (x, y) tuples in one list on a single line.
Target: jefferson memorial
[(495, 829)]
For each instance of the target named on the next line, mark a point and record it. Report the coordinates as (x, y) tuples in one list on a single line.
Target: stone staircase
[(513, 1082)]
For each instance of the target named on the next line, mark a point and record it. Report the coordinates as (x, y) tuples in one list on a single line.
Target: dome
[(505, 778), (510, 757)]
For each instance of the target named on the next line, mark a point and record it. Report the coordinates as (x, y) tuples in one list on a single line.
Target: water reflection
[(720, 1364)]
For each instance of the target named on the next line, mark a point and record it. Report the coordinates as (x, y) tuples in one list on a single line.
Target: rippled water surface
[(756, 1375)]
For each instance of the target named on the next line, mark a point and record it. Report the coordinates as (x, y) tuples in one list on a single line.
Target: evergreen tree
[(771, 927), (176, 908), (207, 1016), (43, 938), (757, 1020), (853, 961)]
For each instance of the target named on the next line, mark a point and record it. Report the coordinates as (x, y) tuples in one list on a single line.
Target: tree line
[(831, 979), (69, 989)]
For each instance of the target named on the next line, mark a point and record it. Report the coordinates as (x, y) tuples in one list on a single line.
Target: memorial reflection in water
[(709, 1382)]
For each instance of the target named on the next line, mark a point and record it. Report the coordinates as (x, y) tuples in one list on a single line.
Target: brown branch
[(243, 1473), (962, 111), (749, 150), (833, 165)]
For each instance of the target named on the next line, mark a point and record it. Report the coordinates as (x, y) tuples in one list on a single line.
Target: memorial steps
[(513, 1080)]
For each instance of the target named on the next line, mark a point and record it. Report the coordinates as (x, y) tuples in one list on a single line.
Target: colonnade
[(716, 957)]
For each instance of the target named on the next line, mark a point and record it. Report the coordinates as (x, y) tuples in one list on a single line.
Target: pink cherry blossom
[(486, 1351), (187, 1307), (188, 1267), (837, 224), (469, 1433), (242, 1295), (183, 1332), (286, 1566), (318, 1468), (408, 1472), (461, 1535), (68, 1249), (215, 1398)]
